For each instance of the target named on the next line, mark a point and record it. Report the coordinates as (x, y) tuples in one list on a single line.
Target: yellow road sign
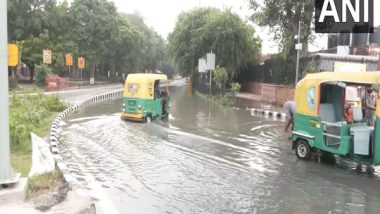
[(12, 55), (46, 56), (81, 62), (69, 59)]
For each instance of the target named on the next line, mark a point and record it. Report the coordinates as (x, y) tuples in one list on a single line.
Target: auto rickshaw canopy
[(307, 90), (141, 85)]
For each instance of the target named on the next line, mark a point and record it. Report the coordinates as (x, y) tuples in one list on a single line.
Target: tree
[(32, 50), (42, 72), (90, 28), (311, 67), (282, 18), (220, 77), (203, 30)]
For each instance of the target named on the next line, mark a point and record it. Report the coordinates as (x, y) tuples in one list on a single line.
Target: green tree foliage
[(42, 71), (235, 87), (108, 40), (311, 67), (282, 19), (200, 31), (220, 77)]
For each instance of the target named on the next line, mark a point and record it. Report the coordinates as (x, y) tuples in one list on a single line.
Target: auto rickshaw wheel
[(303, 150)]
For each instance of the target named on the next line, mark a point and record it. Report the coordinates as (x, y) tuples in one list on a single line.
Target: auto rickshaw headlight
[(139, 106)]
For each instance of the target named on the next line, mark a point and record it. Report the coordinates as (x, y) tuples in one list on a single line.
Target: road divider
[(268, 113)]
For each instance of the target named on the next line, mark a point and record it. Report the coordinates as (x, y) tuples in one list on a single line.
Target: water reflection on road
[(205, 159)]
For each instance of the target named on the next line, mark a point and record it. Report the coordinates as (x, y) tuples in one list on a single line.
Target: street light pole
[(6, 172), (298, 51)]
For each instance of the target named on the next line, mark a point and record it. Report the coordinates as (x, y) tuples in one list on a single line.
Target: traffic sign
[(46, 56), (69, 59), (210, 61), (299, 46), (81, 62), (12, 55), (201, 65)]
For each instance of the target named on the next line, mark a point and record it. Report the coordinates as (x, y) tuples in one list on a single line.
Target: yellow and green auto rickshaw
[(145, 97), (323, 122)]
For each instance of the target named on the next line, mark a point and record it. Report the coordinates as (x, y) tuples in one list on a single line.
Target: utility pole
[(7, 176), (298, 48)]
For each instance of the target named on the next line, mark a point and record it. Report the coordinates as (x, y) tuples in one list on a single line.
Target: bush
[(53, 103), (42, 71), (235, 87), (225, 101), (220, 77), (27, 113)]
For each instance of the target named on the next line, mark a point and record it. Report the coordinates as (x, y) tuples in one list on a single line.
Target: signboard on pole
[(12, 55), (210, 62), (299, 46), (81, 63), (201, 65), (69, 59), (46, 56)]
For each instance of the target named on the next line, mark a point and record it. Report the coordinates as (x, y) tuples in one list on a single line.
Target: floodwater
[(205, 159)]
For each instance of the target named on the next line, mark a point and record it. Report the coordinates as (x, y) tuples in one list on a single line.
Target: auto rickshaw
[(145, 97), (320, 123)]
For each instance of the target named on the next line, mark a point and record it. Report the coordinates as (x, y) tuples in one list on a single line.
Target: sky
[(162, 15)]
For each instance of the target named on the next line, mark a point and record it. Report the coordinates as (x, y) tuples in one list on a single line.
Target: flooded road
[(204, 159)]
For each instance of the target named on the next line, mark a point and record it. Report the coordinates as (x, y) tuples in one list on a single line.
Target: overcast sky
[(162, 15)]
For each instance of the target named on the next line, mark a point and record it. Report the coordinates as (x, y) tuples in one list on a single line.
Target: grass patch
[(29, 114), (21, 163), (44, 127), (42, 183), (223, 100), (21, 153), (28, 90)]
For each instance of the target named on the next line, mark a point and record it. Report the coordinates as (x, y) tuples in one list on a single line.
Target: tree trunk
[(31, 74), (113, 70)]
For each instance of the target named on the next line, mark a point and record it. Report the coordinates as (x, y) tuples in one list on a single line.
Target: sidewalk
[(73, 203), (249, 96), (249, 100)]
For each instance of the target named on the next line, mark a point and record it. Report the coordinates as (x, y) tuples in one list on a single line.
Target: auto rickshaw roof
[(349, 77), (306, 94), (142, 77)]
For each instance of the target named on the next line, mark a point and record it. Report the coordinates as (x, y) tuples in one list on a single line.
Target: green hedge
[(27, 113)]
